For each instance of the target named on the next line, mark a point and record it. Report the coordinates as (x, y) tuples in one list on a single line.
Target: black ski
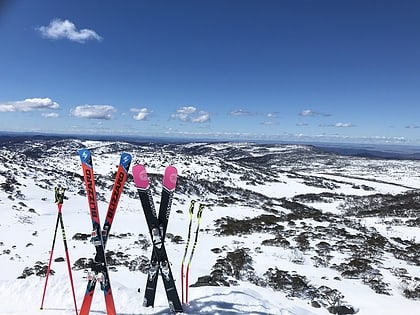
[(157, 225)]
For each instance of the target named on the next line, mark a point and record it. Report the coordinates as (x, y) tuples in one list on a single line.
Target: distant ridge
[(374, 152)]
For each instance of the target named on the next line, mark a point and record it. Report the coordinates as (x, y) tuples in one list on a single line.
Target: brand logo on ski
[(91, 193), (85, 154), (140, 177), (172, 179), (127, 160), (116, 195)]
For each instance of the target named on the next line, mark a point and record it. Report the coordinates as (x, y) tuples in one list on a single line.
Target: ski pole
[(199, 213), (59, 196), (191, 211), (49, 262), (67, 255)]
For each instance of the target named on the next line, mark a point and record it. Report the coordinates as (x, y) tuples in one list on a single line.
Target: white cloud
[(272, 115), (50, 115), (241, 112), (307, 112), (201, 118), (268, 123), (184, 113), (190, 113), (28, 105), (311, 113), (93, 111), (58, 29), (141, 113), (339, 125)]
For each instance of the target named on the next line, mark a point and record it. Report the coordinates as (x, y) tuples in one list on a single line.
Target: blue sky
[(235, 69)]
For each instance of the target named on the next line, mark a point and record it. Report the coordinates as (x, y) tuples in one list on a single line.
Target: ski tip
[(125, 161), (169, 180), (141, 180), (85, 156)]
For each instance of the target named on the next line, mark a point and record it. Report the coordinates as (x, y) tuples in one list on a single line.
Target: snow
[(28, 237)]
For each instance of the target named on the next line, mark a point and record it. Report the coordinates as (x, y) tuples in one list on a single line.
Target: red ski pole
[(59, 197), (67, 256), (49, 262)]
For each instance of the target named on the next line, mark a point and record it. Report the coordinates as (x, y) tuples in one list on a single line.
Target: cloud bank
[(28, 105)]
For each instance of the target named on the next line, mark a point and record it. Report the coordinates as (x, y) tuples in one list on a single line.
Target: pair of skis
[(185, 273), (63, 233), (157, 224), (100, 236)]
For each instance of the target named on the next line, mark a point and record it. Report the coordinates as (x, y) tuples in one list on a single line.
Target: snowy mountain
[(286, 229)]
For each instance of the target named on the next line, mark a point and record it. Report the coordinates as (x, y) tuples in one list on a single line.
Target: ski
[(100, 236), (157, 225), (117, 189)]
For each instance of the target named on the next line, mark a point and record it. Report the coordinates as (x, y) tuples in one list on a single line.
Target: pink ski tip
[(140, 176), (169, 180)]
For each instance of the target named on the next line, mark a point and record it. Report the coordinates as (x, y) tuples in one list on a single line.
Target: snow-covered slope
[(286, 228)]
